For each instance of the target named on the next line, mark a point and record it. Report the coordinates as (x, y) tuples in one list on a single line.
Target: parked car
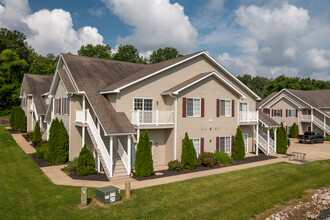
[(311, 137)]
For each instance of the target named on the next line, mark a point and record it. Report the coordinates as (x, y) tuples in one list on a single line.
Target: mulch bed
[(42, 162), (165, 173), (94, 177), (28, 139)]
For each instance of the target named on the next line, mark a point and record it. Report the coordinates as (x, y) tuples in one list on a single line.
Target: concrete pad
[(317, 151)]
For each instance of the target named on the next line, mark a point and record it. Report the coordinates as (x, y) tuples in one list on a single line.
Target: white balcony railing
[(156, 117), (248, 116), (79, 116), (306, 118)]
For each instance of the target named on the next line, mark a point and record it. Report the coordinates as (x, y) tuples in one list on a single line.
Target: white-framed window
[(65, 106), (196, 142), (277, 113), (225, 144), (144, 104), (57, 106), (292, 113), (193, 107), (225, 108), (243, 106)]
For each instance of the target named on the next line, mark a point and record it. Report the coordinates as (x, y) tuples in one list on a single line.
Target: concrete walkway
[(57, 176)]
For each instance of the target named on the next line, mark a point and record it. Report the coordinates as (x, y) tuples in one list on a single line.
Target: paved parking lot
[(313, 152)]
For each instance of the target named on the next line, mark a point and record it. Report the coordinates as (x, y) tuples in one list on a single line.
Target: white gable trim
[(201, 79), (260, 107), (175, 64)]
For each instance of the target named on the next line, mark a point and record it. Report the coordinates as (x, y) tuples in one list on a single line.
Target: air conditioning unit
[(108, 194)]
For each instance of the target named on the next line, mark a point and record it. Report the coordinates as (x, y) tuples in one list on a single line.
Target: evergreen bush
[(51, 151), (281, 140), (143, 157), (223, 158), (86, 162), (40, 152), (327, 138), (36, 139), (189, 155), (175, 165), (12, 117), (294, 131), (239, 146), (72, 166), (271, 131), (206, 159)]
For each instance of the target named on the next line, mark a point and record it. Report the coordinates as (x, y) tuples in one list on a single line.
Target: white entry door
[(245, 137)]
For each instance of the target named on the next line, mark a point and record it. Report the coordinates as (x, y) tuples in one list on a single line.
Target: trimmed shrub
[(239, 146), (12, 117), (206, 159), (72, 166), (36, 138), (143, 157), (40, 152), (58, 150), (189, 155), (86, 162), (281, 140), (327, 138), (294, 131), (223, 158), (175, 165)]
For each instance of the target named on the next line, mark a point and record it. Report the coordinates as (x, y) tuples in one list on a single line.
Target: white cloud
[(215, 5), (96, 11), (47, 31), (277, 31), (156, 24), (317, 60)]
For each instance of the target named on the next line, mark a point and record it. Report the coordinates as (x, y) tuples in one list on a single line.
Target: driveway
[(313, 152)]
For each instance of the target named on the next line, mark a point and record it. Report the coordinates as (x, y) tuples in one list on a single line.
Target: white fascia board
[(283, 97), (271, 98), (232, 76), (120, 134), (150, 75), (210, 74)]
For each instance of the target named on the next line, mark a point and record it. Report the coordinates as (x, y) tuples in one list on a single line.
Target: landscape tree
[(36, 139), (189, 155), (98, 51), (294, 131), (86, 162), (12, 116), (43, 65), (239, 146), (164, 54), (22, 120), (281, 140), (143, 157), (50, 154), (128, 53)]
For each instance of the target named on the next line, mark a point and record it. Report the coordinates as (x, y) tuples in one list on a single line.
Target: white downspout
[(257, 139), (83, 121), (175, 123), (275, 132)]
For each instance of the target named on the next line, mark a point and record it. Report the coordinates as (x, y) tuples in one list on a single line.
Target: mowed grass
[(26, 193)]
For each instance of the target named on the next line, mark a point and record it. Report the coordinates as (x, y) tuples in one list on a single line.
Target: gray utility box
[(108, 194)]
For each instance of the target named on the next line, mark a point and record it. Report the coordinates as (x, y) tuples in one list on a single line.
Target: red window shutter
[(218, 107), (232, 142), (184, 107), (296, 113), (281, 112), (217, 148), (202, 108), (272, 112), (202, 145), (232, 108), (286, 112)]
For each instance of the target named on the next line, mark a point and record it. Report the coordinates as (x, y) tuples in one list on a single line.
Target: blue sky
[(258, 37)]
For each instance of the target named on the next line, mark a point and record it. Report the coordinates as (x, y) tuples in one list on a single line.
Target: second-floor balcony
[(155, 118), (306, 118), (80, 116), (248, 116)]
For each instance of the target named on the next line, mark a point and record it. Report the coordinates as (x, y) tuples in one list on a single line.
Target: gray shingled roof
[(66, 80), (187, 82), (36, 85), (266, 99), (267, 120), (90, 74), (316, 98)]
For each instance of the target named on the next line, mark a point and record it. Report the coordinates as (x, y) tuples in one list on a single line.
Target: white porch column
[(175, 125), (129, 154), (267, 140), (157, 117), (138, 135), (324, 125), (111, 156), (312, 118), (83, 121), (257, 139), (275, 134), (98, 162)]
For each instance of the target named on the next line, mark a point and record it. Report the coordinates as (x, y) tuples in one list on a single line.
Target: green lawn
[(26, 193)]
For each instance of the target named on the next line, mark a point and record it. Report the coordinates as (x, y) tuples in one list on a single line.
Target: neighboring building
[(34, 100), (105, 104), (310, 110)]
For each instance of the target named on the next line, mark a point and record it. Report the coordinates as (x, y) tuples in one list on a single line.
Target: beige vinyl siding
[(284, 104), (76, 132), (288, 96), (61, 93)]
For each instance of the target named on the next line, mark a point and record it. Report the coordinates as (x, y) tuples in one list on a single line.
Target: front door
[(245, 137)]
